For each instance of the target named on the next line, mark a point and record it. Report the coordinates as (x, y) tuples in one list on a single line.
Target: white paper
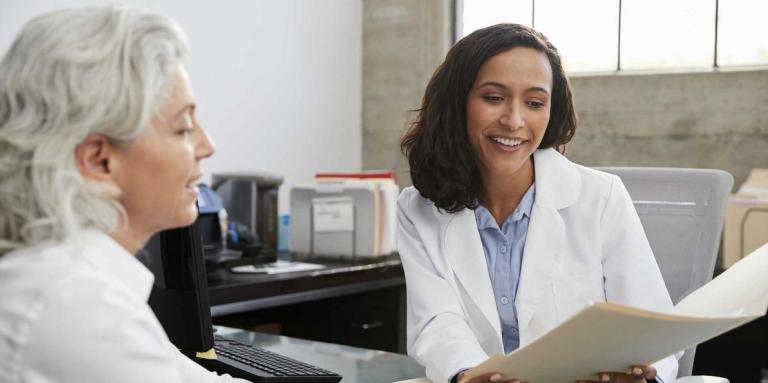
[(612, 337), (740, 290), (333, 214), (278, 267)]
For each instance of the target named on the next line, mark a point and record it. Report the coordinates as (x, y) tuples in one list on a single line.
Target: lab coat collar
[(558, 185), (103, 253), (485, 219), (553, 174), (558, 182)]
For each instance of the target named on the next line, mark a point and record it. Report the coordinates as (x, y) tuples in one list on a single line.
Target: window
[(742, 33), (662, 34), (482, 13), (610, 35), (571, 24)]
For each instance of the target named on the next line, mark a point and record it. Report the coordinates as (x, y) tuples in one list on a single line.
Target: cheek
[(541, 123), (473, 110), (477, 115), (158, 179)]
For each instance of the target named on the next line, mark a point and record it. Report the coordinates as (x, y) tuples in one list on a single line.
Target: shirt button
[(503, 249), (504, 300)]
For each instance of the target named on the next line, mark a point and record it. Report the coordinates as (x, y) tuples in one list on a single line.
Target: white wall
[(278, 83)]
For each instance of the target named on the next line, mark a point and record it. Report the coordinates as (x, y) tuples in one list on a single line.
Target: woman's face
[(158, 171), (508, 109)]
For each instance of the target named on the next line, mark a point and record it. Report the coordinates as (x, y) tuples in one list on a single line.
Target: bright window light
[(743, 32), (655, 34), (585, 32), (662, 34), (482, 13)]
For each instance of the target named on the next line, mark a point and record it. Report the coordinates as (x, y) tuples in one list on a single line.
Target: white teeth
[(507, 141)]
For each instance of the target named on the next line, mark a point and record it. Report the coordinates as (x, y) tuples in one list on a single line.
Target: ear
[(93, 157)]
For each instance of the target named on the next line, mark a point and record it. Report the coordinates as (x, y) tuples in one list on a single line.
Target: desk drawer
[(369, 320)]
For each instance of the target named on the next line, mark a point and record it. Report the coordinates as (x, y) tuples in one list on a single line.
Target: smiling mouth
[(508, 142), (192, 185)]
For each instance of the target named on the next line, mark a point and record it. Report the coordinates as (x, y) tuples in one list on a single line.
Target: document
[(278, 267), (612, 337)]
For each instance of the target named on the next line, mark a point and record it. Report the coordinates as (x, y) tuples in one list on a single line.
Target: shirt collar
[(106, 255), (486, 221)]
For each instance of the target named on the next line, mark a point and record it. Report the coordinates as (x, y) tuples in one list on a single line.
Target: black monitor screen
[(180, 295)]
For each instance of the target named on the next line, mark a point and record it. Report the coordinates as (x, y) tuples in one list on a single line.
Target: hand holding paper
[(734, 298)]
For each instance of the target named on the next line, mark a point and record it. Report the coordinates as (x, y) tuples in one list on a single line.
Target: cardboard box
[(746, 218)]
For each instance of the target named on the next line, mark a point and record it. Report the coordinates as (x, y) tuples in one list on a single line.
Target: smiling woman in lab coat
[(502, 237)]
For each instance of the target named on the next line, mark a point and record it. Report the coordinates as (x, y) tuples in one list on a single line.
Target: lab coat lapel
[(464, 250), (543, 247), (558, 185)]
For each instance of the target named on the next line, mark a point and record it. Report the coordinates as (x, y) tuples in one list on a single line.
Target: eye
[(536, 104), (186, 124), (493, 98)]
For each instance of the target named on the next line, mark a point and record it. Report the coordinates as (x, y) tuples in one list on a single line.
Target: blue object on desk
[(208, 201), (284, 233)]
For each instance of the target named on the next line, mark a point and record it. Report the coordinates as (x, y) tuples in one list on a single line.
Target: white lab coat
[(585, 243)]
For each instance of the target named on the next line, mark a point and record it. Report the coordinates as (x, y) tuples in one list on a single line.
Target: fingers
[(645, 372), (604, 377), (491, 377), (637, 373), (618, 377)]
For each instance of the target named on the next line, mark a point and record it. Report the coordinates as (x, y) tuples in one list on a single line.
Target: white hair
[(68, 74)]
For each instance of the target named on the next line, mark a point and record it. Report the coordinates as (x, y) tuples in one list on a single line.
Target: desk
[(359, 303), (356, 365)]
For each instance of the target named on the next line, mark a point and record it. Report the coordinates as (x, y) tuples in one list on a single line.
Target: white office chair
[(682, 211)]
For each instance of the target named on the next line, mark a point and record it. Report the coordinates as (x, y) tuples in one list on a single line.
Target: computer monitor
[(179, 296), (251, 200), (180, 301)]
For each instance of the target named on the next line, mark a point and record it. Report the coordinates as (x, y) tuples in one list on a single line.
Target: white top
[(77, 312)]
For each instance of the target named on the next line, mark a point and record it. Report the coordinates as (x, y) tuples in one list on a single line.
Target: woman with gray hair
[(99, 150)]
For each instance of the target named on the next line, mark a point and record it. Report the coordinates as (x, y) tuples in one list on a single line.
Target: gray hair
[(68, 74)]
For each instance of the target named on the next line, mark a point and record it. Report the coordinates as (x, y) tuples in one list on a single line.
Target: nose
[(512, 118), (205, 146)]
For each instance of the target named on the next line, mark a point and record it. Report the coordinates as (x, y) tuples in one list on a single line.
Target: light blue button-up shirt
[(503, 249)]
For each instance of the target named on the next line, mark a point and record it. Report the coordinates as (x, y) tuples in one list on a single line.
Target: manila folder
[(612, 337)]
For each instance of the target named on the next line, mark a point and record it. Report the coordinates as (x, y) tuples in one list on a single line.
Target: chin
[(508, 167), (187, 217)]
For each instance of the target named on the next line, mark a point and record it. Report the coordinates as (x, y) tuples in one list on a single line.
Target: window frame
[(457, 10)]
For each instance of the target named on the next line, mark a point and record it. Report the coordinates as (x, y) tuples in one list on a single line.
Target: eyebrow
[(500, 85), (190, 106)]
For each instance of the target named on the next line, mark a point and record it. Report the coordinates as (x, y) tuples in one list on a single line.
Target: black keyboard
[(259, 365)]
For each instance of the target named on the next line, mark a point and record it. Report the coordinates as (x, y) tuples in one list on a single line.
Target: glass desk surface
[(355, 365)]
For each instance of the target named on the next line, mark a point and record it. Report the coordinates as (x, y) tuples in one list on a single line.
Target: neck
[(503, 192), (129, 239)]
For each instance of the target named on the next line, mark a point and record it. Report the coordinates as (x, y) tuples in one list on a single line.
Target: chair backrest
[(682, 211)]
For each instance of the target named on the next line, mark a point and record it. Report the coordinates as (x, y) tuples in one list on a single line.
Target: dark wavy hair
[(443, 165)]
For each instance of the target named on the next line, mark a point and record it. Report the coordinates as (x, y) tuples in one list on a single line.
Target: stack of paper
[(385, 185), (345, 214)]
